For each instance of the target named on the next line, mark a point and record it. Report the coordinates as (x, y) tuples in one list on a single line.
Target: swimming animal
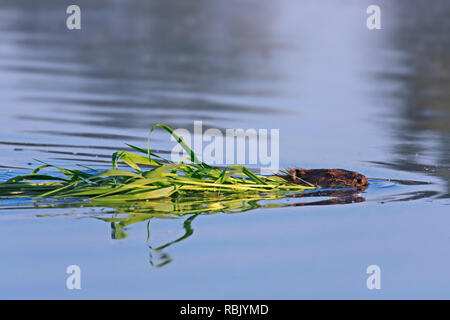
[(326, 178)]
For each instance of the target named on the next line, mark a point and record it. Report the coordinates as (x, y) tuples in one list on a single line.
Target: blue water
[(342, 96)]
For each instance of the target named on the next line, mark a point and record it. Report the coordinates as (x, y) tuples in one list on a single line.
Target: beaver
[(326, 178)]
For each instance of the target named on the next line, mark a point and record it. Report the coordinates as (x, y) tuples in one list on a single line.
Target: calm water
[(342, 96)]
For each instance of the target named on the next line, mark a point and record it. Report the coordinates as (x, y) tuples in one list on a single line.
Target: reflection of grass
[(126, 214), (179, 208), (191, 205), (195, 183)]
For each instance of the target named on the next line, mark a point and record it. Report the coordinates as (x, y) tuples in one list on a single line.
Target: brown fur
[(326, 178)]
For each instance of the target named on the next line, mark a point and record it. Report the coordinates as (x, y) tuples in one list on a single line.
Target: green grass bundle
[(163, 179)]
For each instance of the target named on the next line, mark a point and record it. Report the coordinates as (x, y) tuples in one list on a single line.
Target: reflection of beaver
[(342, 196), (326, 178)]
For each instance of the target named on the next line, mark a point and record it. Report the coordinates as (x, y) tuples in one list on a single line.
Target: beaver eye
[(359, 181)]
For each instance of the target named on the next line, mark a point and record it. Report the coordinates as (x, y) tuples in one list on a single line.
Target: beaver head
[(327, 178)]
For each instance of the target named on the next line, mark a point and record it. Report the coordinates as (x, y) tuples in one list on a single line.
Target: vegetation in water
[(167, 187)]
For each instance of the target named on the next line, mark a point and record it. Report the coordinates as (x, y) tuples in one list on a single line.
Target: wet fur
[(326, 178)]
